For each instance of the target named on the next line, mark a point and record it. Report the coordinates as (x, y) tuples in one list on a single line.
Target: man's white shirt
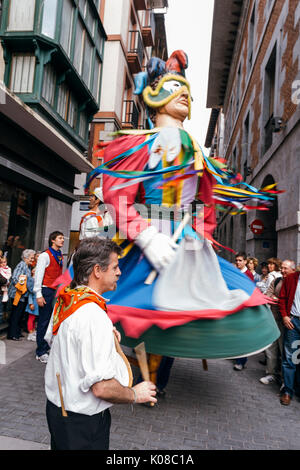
[(83, 352), (42, 263)]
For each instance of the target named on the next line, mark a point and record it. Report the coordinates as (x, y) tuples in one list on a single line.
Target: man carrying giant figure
[(198, 305)]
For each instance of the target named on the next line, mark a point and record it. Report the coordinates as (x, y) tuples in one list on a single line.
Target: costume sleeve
[(42, 263), (96, 349), (127, 219), (283, 299)]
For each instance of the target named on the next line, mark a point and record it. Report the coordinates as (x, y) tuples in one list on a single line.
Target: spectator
[(252, 264), (262, 283), (7, 248), (274, 352), (18, 292), (32, 309), (5, 271), (274, 265), (289, 306), (48, 269), (241, 264), (36, 257)]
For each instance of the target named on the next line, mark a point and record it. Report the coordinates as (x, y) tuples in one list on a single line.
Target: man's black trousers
[(78, 431)]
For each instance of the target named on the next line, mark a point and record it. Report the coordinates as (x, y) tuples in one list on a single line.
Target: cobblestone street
[(215, 409)]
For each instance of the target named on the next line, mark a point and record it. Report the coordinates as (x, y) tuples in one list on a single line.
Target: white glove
[(157, 247)]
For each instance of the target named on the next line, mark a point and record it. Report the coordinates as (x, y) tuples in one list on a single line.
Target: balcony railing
[(130, 114), (148, 29), (135, 51)]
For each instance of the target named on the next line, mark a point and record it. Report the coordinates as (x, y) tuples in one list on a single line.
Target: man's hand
[(288, 323), (41, 301), (145, 392)]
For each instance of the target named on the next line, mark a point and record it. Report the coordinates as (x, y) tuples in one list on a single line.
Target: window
[(82, 6), (49, 84), (21, 15), (79, 41), (62, 100), (238, 89), (66, 28), (96, 79), (72, 111), (87, 60), (99, 40), (49, 18), (90, 19), (22, 73), (18, 212), (269, 99), (246, 145), (251, 41), (83, 125)]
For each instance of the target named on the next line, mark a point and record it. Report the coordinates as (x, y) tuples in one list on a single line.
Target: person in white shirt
[(94, 222), (93, 375)]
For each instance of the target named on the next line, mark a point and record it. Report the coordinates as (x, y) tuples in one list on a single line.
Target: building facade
[(51, 58), (135, 32), (254, 96)]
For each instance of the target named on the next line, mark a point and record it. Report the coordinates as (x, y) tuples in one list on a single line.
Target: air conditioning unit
[(158, 3)]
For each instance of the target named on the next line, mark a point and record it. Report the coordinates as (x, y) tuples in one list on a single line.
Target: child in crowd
[(33, 310), (5, 271)]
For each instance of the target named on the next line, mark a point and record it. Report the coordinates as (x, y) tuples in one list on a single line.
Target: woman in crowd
[(274, 265), (262, 283), (18, 292), (252, 264)]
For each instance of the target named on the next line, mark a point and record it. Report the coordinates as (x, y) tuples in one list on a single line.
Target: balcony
[(130, 115), (148, 30), (135, 52)]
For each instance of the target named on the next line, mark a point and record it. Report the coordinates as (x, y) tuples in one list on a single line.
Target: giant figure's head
[(164, 85)]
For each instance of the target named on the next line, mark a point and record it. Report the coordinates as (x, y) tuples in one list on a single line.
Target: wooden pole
[(63, 411), (143, 363)]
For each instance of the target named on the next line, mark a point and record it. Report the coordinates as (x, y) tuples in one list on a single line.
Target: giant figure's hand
[(157, 247)]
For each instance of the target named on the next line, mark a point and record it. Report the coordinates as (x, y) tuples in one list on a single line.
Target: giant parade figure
[(175, 293)]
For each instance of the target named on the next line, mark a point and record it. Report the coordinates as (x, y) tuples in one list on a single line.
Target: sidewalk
[(11, 351)]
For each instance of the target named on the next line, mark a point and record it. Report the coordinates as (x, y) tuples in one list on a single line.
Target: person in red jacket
[(289, 306), (48, 269)]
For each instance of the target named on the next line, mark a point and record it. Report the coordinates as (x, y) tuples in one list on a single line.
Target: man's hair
[(291, 263), (275, 261), (53, 235), (92, 251), (241, 254)]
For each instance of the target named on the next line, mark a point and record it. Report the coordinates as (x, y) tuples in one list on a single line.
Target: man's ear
[(97, 271)]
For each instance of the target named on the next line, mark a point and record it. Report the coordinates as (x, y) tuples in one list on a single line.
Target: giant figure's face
[(172, 94)]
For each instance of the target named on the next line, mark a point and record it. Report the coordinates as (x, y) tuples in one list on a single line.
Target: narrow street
[(215, 409)]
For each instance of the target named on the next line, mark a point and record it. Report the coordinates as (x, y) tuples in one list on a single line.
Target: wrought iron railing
[(130, 114), (135, 44)]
